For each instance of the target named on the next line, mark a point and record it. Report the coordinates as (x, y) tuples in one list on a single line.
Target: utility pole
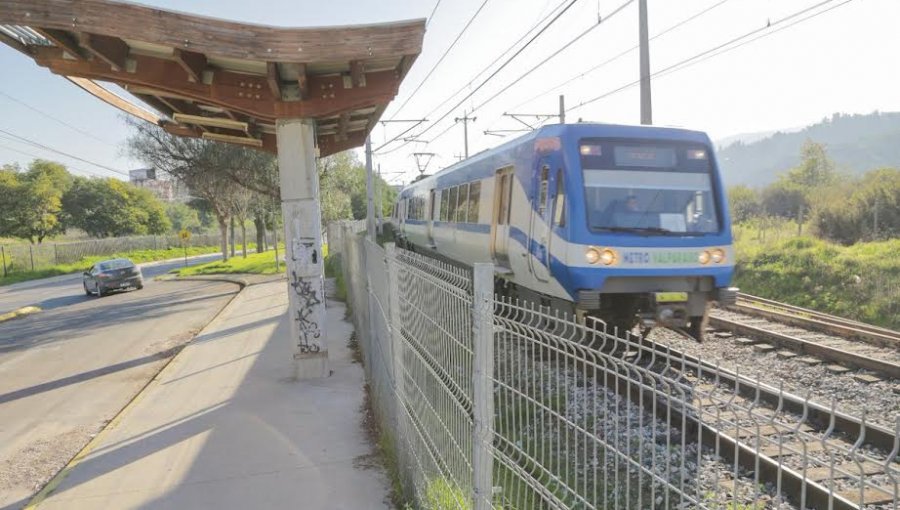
[(379, 207), (370, 192), (465, 120), (562, 109), (646, 109)]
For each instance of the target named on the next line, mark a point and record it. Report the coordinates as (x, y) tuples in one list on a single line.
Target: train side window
[(451, 212), (445, 203), (463, 206), (503, 218), (559, 205), (542, 195), (474, 198)]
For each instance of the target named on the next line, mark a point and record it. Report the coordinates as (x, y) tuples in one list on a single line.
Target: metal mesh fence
[(491, 402)]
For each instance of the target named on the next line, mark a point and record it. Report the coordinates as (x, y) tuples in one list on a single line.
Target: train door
[(539, 226), (431, 218), (503, 186)]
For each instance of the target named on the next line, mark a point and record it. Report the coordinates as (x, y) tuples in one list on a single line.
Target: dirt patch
[(34, 465)]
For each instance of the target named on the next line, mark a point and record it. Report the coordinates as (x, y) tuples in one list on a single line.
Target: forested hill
[(856, 143)]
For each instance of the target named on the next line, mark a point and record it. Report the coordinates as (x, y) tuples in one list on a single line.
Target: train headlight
[(608, 257), (717, 255), (605, 256), (704, 257)]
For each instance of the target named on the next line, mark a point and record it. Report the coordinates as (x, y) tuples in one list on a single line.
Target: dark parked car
[(110, 275)]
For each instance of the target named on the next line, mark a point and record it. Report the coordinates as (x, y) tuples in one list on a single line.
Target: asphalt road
[(67, 290), (66, 371)]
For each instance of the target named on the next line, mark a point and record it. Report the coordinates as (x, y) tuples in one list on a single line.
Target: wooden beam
[(112, 99), (239, 92), (226, 39), (111, 50), (342, 126), (303, 82), (65, 41), (157, 103), (329, 144), (193, 63), (358, 73), (273, 77)]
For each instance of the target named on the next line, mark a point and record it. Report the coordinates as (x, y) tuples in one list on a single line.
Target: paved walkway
[(224, 426)]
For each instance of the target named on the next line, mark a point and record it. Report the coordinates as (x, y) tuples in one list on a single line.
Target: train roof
[(579, 130)]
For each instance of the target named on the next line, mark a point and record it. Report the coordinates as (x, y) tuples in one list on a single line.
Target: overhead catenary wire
[(57, 151), (720, 49), (620, 54), (489, 78), (563, 48), (438, 63)]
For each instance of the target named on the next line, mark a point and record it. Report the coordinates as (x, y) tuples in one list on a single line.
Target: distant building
[(164, 189)]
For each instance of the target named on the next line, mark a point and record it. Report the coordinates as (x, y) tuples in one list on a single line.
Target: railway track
[(814, 336), (817, 456)]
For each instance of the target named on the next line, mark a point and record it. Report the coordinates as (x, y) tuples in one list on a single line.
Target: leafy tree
[(784, 199), (35, 200), (816, 168), (847, 214), (745, 203), (212, 171), (110, 207), (183, 217)]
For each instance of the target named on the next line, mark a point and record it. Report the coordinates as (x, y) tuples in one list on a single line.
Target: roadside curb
[(57, 479), (244, 280), (19, 312)]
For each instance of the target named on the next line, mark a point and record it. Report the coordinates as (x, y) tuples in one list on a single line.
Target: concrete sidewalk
[(225, 426)]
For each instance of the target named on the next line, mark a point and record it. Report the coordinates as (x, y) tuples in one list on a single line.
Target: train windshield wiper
[(638, 230)]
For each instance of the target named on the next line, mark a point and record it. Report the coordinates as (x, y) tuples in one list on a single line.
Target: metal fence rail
[(495, 403)]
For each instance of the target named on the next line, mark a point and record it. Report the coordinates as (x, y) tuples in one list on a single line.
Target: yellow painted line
[(21, 312), (89, 447)]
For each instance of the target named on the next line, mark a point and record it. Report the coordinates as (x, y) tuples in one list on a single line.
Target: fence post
[(3, 255), (31, 253), (395, 345), (483, 384)]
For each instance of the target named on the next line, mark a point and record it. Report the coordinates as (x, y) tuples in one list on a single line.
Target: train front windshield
[(656, 188)]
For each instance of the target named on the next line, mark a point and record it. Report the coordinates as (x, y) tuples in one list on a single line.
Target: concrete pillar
[(303, 245)]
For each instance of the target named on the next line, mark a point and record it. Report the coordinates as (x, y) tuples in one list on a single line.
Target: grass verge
[(137, 256), (255, 263), (860, 282)]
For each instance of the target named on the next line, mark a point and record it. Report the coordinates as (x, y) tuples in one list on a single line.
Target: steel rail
[(825, 418), (817, 321), (821, 351)]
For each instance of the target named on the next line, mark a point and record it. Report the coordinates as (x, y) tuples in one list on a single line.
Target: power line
[(496, 71), (446, 52), (430, 16), (555, 53), (51, 149), (51, 117), (724, 47), (69, 167), (501, 55), (620, 55)]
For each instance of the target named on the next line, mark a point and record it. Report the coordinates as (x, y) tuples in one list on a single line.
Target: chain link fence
[(495, 403), (18, 258)]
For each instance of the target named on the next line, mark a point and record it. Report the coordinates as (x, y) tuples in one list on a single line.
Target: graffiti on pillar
[(307, 300)]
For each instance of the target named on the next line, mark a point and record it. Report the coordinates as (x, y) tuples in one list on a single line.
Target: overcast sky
[(845, 60)]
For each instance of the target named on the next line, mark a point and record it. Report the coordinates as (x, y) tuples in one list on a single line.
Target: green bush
[(860, 282)]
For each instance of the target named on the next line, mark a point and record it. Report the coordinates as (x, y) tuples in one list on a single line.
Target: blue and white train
[(626, 223)]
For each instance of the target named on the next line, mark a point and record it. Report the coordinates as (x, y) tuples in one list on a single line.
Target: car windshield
[(648, 188), (111, 265)]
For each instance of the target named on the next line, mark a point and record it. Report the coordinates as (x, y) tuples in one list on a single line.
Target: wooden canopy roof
[(219, 79)]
